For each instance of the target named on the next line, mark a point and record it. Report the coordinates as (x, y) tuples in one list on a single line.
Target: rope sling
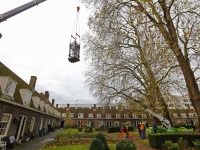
[(74, 46)]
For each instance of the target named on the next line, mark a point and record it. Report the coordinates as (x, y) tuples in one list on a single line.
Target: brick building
[(22, 109), (97, 115), (181, 111)]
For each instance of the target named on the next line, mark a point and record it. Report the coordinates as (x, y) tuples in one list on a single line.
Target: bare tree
[(176, 21)]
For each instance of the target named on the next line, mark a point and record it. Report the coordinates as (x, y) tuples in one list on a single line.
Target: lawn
[(72, 139), (78, 147)]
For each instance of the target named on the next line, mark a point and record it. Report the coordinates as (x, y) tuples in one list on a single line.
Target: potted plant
[(28, 129)]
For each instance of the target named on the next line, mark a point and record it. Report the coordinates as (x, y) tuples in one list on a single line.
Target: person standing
[(154, 127), (139, 129), (143, 129)]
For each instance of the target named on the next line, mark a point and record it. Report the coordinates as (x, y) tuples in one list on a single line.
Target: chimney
[(47, 95), (56, 105), (53, 101), (67, 105), (33, 82)]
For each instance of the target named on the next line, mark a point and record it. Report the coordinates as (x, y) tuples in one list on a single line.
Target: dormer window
[(26, 96), (47, 107), (36, 101), (42, 105), (8, 86)]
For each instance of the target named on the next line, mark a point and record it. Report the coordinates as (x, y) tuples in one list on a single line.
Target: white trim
[(5, 121)]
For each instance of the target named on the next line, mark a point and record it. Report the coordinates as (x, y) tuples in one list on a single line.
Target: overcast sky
[(36, 43)]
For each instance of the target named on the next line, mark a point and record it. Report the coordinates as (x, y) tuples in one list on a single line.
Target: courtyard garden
[(84, 138)]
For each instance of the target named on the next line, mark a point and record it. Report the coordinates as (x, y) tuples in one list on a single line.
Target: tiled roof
[(21, 84)]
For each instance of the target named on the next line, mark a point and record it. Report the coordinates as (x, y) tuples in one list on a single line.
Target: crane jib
[(13, 12)]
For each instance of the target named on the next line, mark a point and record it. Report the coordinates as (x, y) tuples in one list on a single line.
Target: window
[(63, 114), (191, 114), (42, 105), (117, 115), (5, 123), (183, 115), (144, 115), (90, 115), (89, 123), (32, 123), (41, 123), (125, 115), (98, 115), (100, 123), (80, 115), (8, 86), (47, 106), (135, 115), (108, 116), (26, 96), (36, 101), (71, 115), (175, 114)]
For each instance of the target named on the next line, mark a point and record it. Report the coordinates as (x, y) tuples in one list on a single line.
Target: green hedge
[(117, 129), (156, 140)]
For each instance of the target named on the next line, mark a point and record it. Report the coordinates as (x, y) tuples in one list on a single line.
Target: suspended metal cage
[(74, 52), (74, 46)]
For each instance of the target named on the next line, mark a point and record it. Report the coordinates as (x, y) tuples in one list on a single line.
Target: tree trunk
[(191, 83)]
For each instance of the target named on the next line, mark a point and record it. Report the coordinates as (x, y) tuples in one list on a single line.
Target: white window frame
[(126, 116), (98, 115), (32, 123), (191, 114), (90, 115), (26, 96), (5, 124), (183, 115), (135, 115), (71, 115), (118, 115), (80, 115), (108, 116), (36, 101), (100, 122), (89, 123), (144, 115), (175, 115)]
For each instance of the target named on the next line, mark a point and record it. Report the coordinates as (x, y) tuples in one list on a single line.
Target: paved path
[(38, 142)]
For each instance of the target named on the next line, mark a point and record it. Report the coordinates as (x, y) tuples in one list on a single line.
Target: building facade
[(182, 113), (22, 108)]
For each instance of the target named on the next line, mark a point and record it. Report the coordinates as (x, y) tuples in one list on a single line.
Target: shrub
[(101, 136), (96, 145), (80, 129), (196, 143), (167, 144), (88, 129), (125, 145), (179, 145), (182, 143)]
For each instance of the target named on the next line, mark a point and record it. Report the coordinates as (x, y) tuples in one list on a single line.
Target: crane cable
[(77, 25)]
